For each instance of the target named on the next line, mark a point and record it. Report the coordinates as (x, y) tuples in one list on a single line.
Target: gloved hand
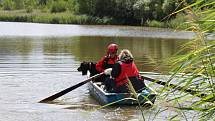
[(108, 71)]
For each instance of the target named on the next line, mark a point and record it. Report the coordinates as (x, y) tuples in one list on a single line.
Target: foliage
[(19, 4), (72, 6), (168, 6), (82, 6), (30, 4), (56, 18), (197, 65), (42, 2), (126, 11), (179, 22), (8, 4), (155, 23), (58, 6), (129, 12)]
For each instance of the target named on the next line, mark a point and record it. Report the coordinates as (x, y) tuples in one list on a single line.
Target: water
[(36, 64), (47, 30)]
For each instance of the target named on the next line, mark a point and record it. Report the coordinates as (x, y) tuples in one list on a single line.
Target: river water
[(38, 60)]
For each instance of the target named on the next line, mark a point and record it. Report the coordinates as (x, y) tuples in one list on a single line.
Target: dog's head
[(84, 67)]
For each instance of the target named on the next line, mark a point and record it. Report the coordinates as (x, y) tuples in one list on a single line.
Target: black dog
[(91, 67), (88, 66)]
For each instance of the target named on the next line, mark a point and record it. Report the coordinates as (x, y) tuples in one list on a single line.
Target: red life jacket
[(109, 62), (127, 70), (105, 63)]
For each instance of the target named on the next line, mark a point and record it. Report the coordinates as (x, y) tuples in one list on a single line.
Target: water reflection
[(12, 46), (148, 52), (34, 68)]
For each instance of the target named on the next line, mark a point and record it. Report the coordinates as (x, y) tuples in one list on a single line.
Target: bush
[(0, 5), (154, 23), (8, 5), (29, 9), (72, 6), (58, 6), (168, 6), (179, 22), (19, 4), (30, 5)]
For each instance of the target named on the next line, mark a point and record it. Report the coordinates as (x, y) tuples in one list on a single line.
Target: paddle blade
[(63, 92)]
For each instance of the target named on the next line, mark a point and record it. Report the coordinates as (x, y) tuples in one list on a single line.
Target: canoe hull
[(118, 98)]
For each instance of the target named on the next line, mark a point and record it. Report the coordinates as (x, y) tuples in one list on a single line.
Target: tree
[(29, 5), (168, 6), (42, 2), (19, 4), (8, 4)]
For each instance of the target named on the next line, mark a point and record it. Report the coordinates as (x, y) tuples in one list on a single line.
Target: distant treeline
[(126, 12)]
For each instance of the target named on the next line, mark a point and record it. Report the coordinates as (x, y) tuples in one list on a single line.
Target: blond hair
[(125, 55)]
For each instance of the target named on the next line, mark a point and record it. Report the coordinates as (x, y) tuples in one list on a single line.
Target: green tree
[(72, 6), (148, 10), (19, 4), (8, 4), (140, 11), (168, 6), (102, 8), (82, 6), (124, 11), (30, 5), (58, 6), (42, 2)]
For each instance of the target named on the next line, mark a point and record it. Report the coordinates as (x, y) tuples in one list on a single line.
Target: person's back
[(123, 70)]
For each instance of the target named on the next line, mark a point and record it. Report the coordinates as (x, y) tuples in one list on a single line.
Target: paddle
[(192, 92), (63, 92)]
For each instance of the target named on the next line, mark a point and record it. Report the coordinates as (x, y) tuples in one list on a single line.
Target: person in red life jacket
[(108, 60), (123, 70)]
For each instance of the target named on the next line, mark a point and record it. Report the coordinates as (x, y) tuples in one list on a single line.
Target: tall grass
[(179, 23), (197, 65), (55, 18)]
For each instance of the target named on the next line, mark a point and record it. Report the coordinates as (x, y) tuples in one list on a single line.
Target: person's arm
[(100, 65), (116, 70)]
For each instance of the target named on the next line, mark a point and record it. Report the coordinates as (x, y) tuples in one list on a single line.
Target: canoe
[(96, 90)]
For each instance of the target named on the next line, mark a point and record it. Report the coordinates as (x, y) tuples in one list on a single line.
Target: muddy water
[(32, 68)]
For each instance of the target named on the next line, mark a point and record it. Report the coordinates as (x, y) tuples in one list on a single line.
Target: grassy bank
[(179, 23), (54, 18), (38, 16)]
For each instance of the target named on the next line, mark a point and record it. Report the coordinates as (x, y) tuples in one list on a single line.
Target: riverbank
[(65, 30), (39, 16), (46, 17)]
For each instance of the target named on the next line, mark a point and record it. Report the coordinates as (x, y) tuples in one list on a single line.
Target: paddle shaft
[(63, 92), (193, 92)]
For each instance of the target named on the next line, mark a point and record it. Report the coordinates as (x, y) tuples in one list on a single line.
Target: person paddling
[(123, 70), (107, 62), (109, 59)]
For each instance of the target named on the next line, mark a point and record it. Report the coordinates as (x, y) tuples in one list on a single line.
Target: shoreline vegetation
[(37, 16), (195, 58), (95, 12)]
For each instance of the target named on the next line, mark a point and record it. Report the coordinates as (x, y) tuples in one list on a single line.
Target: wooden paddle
[(193, 92), (63, 92)]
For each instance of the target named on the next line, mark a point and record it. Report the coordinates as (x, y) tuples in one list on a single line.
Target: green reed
[(54, 18), (197, 65)]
